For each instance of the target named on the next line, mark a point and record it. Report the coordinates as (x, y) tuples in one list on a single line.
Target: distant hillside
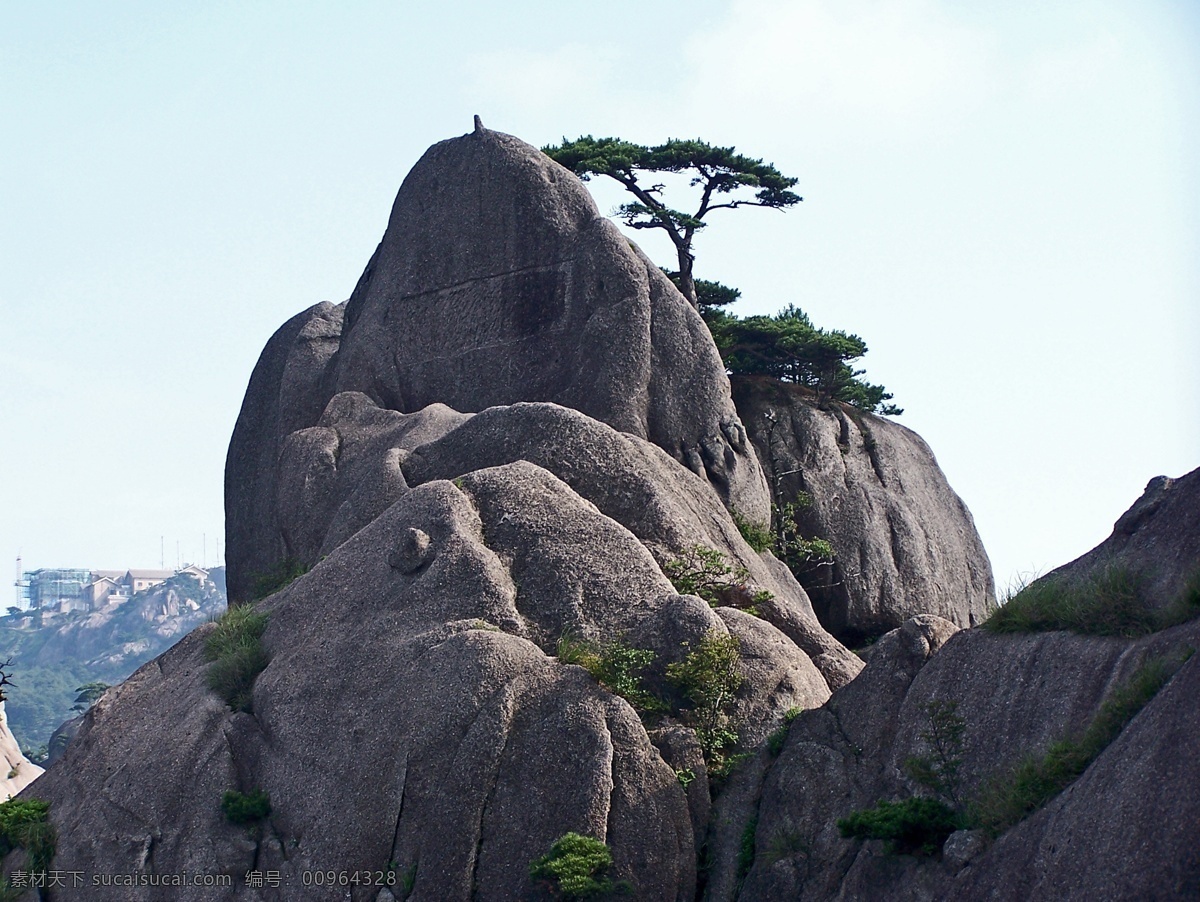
[(49, 661)]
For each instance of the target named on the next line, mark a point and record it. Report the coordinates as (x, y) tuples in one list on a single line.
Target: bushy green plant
[(615, 666), (790, 348), (25, 824), (1012, 796), (574, 867), (757, 536), (271, 581), (234, 648), (914, 826), (246, 808), (937, 769), (804, 555), (704, 572), (709, 678)]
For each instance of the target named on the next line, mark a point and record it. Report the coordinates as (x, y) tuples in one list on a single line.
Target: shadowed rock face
[(497, 281), (905, 542)]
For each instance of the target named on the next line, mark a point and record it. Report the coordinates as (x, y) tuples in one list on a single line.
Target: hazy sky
[(1002, 199)]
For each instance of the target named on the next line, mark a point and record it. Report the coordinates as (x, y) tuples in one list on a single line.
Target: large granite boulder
[(287, 392), (1115, 832), (1157, 541), (905, 543), (413, 712), (497, 281)]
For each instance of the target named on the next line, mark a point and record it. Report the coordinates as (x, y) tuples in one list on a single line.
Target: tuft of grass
[(1110, 603), (916, 826), (1186, 606), (271, 581), (236, 654), (777, 740), (746, 849), (246, 808), (1012, 796)]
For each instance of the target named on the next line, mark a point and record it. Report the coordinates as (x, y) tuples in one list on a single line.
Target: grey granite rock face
[(413, 710), (905, 542), (1157, 540), (287, 391), (497, 281)]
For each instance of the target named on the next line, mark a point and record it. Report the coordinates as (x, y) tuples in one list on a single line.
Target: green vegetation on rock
[(709, 677), (574, 867), (915, 826), (246, 808), (719, 172), (1109, 603), (708, 574), (25, 824), (236, 653), (615, 666), (1012, 796), (788, 347), (271, 581)]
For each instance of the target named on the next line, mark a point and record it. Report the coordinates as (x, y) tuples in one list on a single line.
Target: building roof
[(151, 574)]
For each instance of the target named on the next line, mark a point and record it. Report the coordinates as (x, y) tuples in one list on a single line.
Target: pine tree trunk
[(686, 284)]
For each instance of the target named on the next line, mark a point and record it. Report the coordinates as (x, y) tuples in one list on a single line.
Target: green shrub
[(709, 678), (914, 826), (704, 572), (1012, 796), (804, 555), (937, 769), (271, 581), (25, 824), (1186, 606), (777, 740), (615, 666), (246, 808), (237, 657), (574, 868)]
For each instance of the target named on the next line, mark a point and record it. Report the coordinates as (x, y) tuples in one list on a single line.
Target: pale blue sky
[(1002, 199)]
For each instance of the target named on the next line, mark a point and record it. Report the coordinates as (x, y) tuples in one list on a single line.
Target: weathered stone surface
[(498, 281), (287, 392), (642, 488), (19, 771), (416, 714), (1157, 539), (1017, 695), (905, 542)]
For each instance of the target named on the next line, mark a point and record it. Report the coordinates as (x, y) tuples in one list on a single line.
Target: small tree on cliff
[(718, 172)]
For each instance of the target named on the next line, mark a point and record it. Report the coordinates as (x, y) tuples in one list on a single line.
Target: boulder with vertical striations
[(905, 543)]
